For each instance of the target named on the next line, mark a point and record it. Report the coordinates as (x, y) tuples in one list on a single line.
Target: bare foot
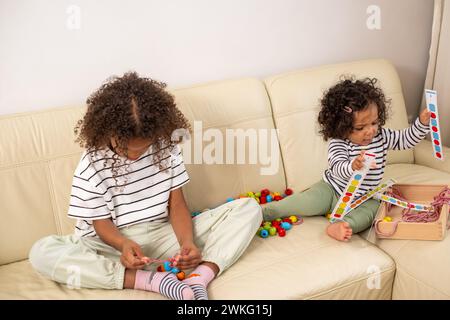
[(340, 231)]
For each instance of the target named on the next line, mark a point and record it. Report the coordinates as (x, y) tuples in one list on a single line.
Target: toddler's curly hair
[(130, 107), (341, 101)]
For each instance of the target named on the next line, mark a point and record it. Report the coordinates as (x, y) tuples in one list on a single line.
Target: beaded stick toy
[(431, 100), (341, 208)]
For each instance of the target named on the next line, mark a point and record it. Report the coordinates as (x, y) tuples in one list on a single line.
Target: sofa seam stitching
[(53, 198)]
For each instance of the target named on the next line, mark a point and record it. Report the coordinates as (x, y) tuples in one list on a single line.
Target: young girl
[(352, 115), (129, 205)]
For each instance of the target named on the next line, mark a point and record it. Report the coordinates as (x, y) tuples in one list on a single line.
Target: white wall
[(44, 63)]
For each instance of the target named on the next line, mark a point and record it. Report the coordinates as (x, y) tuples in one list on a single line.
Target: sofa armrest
[(424, 156)]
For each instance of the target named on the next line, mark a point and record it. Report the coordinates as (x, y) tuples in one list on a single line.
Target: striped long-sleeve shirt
[(341, 154)]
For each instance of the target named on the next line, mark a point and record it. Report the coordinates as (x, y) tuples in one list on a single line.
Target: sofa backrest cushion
[(242, 108), (37, 160), (295, 99)]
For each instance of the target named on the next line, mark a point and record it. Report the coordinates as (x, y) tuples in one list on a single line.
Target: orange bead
[(181, 275)]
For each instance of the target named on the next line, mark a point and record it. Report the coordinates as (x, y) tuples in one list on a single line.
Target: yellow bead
[(387, 219), (293, 219)]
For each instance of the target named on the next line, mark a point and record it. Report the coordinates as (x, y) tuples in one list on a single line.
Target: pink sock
[(165, 283), (198, 280)]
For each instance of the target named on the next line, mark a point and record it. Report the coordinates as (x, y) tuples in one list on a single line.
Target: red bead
[(288, 192), (275, 223), (287, 220), (281, 232), (265, 192), (278, 198), (263, 200)]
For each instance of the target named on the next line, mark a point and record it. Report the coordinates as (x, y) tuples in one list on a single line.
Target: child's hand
[(132, 256), (358, 162), (424, 117), (189, 257)]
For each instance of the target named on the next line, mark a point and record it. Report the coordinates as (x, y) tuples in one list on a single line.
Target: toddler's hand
[(358, 162), (424, 117), (132, 256)]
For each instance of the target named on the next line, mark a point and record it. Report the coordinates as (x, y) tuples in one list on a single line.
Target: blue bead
[(175, 270), (269, 198), (167, 266), (264, 233), (230, 199), (286, 225)]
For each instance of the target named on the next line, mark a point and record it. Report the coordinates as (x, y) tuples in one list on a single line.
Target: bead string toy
[(278, 226), (430, 214), (341, 208), (403, 203), (431, 101), (381, 188), (167, 265)]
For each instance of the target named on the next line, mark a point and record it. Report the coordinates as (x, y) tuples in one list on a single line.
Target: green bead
[(273, 231)]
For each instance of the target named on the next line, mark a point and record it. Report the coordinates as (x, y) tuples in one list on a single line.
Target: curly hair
[(334, 121), (129, 107)]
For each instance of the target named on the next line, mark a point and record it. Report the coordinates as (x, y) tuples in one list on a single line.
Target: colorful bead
[(286, 225), (264, 233), (288, 191), (273, 231), (167, 266)]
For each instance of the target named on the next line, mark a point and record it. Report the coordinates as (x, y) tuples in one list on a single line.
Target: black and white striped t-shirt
[(143, 197), (342, 152)]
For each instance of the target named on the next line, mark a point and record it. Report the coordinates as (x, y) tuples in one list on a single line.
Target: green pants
[(319, 200), (222, 234)]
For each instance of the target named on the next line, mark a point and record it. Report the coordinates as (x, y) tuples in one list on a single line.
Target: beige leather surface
[(424, 156), (306, 264), (36, 167), (295, 102)]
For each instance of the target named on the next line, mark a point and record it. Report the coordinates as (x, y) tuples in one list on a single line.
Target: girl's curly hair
[(335, 122), (129, 107)]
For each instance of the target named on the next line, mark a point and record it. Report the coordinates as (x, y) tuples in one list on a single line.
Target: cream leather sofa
[(38, 157)]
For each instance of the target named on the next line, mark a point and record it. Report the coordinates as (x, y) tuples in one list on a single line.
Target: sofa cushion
[(295, 98), (37, 162), (305, 264)]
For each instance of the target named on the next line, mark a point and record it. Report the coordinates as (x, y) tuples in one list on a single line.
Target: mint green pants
[(222, 234), (319, 200)]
